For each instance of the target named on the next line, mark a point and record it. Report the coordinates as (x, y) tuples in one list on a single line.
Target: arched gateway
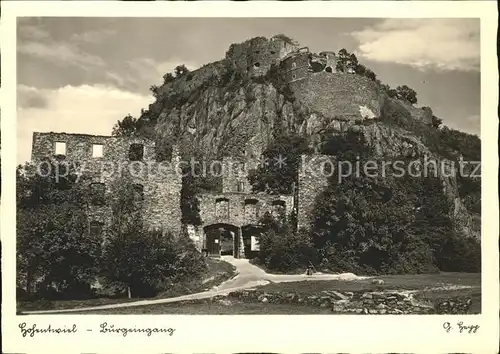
[(222, 239), (230, 219)]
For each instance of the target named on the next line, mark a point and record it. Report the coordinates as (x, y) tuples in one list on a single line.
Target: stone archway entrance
[(222, 239)]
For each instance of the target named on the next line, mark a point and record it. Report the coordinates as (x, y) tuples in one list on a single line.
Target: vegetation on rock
[(279, 170)]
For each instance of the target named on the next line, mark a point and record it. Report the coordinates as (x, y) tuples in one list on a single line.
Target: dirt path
[(248, 276)]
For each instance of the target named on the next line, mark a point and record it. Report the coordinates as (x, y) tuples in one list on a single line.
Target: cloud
[(441, 44), (30, 97), (140, 73), (28, 31), (60, 53), (74, 109), (153, 70), (36, 41), (94, 36)]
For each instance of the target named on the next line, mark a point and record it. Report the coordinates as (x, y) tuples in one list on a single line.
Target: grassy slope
[(391, 282), (217, 272)]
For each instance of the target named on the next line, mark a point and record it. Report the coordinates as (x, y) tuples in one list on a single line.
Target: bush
[(282, 249), (285, 251), (456, 253), (145, 261), (57, 256), (414, 256)]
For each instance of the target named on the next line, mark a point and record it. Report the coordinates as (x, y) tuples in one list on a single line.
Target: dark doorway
[(251, 234), (226, 242), (221, 240), (212, 242)]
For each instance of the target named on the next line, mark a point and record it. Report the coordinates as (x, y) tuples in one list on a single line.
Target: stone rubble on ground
[(360, 302)]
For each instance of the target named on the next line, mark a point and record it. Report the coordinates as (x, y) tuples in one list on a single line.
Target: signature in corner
[(462, 328)]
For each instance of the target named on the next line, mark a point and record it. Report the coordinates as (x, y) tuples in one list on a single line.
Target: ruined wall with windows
[(255, 56), (105, 159), (240, 209)]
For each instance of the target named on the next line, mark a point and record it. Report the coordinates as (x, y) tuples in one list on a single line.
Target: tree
[(56, 253), (128, 126), (406, 93), (380, 223), (168, 77), (343, 58), (155, 90), (283, 249), (140, 260), (370, 74), (278, 172), (180, 70), (436, 122)]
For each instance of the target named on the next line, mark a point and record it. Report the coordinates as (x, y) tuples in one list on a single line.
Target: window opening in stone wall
[(279, 203), (163, 153), (60, 148), (138, 190), (256, 65), (327, 168), (97, 194), (136, 152), (97, 150), (251, 201), (216, 169), (257, 52), (328, 69), (222, 209), (251, 213), (294, 76), (241, 187), (273, 52)]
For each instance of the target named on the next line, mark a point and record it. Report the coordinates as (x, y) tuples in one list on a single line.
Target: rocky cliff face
[(229, 108)]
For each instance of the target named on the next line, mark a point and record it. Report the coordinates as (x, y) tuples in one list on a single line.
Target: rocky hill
[(235, 105)]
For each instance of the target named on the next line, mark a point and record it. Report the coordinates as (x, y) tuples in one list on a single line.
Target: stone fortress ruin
[(229, 218)]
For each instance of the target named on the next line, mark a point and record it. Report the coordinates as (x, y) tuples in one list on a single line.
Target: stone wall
[(196, 235), (312, 179), (235, 171), (331, 60), (255, 56), (338, 95), (296, 67), (79, 148), (358, 302), (161, 182), (239, 205)]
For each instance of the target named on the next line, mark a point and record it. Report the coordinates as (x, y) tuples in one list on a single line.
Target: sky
[(81, 75)]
